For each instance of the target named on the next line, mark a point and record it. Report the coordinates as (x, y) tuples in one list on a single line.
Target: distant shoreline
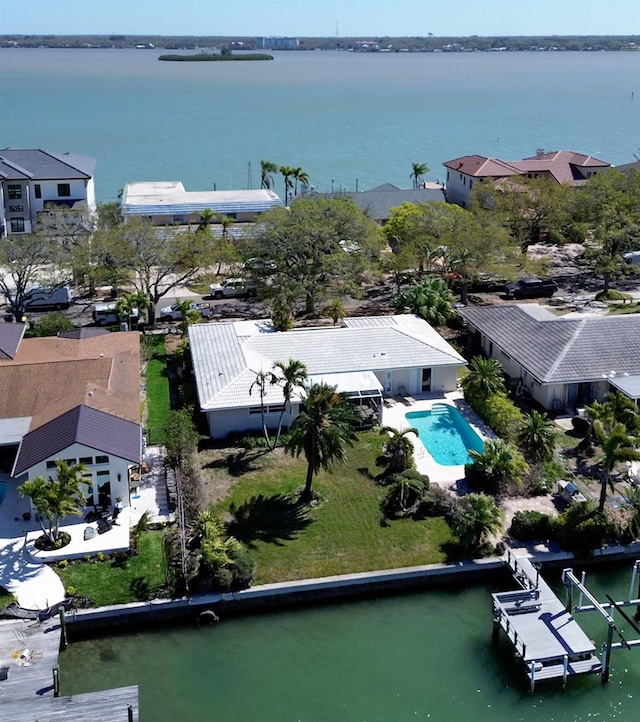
[(213, 57)]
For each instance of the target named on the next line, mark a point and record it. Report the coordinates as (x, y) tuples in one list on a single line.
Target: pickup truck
[(232, 288), (174, 313), (531, 287)]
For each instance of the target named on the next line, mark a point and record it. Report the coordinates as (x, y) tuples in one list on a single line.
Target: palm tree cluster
[(290, 174), (431, 299)]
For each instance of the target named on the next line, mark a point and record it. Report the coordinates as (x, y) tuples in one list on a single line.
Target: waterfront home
[(40, 181), (367, 358), (167, 203), (562, 166), (562, 362), (74, 397), (378, 202)]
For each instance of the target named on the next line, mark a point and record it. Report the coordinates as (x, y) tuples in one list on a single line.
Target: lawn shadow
[(237, 463), (271, 519)]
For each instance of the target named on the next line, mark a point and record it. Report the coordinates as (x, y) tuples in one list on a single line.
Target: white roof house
[(365, 358), (168, 203)]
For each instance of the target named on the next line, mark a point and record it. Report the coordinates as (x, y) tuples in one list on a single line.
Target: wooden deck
[(112, 705), (28, 654), (543, 633)]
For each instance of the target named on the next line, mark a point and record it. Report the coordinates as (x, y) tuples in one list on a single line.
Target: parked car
[(174, 312), (531, 287), (105, 314), (232, 288), (40, 298)]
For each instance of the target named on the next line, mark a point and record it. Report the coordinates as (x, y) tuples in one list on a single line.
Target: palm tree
[(485, 378), (322, 429), (299, 176), (267, 168), (287, 172), (207, 216), (617, 445), (474, 518), (405, 492), (537, 436), (431, 299), (263, 380), (336, 310), (55, 499), (417, 171), (226, 223), (497, 464), (291, 376), (397, 451)]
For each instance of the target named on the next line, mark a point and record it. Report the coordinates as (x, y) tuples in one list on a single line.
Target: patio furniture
[(104, 525), (406, 399), (90, 532)]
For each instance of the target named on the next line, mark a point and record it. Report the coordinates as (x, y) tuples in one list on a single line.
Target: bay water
[(348, 119), (422, 656)]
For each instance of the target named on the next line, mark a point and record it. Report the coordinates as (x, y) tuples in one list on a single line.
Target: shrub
[(437, 501), (405, 492), (52, 323), (498, 469), (532, 526), (543, 478), (613, 295), (502, 415), (582, 528)]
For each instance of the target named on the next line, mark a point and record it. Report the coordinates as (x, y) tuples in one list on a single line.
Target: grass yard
[(158, 399), (5, 597), (344, 533), (141, 578)]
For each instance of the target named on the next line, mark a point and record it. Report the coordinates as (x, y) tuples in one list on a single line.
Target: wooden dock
[(543, 633), (28, 670)]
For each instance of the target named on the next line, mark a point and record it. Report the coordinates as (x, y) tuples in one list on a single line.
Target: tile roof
[(479, 166), (10, 338), (84, 332), (50, 375), (26, 164), (83, 425), (226, 357), (562, 350)]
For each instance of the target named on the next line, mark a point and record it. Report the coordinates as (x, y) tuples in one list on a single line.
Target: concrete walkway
[(35, 585)]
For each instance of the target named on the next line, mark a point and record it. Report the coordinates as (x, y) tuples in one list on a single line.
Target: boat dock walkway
[(542, 632), (29, 681)]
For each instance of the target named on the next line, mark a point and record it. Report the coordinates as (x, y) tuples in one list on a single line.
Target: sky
[(321, 18)]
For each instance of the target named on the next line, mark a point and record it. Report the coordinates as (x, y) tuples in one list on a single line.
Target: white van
[(41, 298), (105, 314)]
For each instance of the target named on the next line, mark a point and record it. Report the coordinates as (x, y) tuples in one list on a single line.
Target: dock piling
[(56, 681)]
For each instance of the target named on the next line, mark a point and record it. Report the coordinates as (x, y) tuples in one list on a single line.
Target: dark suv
[(531, 287)]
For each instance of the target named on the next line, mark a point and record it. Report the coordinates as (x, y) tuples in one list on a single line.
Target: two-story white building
[(37, 181)]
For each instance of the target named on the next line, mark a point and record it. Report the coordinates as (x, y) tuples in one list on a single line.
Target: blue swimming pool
[(445, 434)]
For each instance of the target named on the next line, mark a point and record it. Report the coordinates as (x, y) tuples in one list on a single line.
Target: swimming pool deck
[(447, 476)]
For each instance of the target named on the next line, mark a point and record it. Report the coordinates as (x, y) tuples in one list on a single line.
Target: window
[(87, 460), (447, 175), (70, 462), (102, 474), (64, 190), (470, 184), (17, 225), (14, 192), (37, 190), (102, 460), (16, 209), (51, 464)]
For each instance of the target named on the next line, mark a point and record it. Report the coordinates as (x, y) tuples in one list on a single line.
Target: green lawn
[(158, 400), (343, 534), (141, 578), (5, 597)]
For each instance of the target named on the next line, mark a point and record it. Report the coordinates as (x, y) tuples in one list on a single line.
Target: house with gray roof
[(378, 202), (366, 359), (562, 361), (34, 181)]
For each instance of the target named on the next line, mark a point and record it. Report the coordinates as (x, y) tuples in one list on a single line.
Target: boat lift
[(606, 611)]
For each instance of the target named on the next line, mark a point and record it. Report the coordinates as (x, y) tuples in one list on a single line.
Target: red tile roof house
[(69, 397), (563, 166)]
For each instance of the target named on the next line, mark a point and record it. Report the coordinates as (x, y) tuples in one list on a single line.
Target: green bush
[(532, 526), (502, 415), (437, 501), (52, 323), (582, 528), (613, 295), (405, 493)]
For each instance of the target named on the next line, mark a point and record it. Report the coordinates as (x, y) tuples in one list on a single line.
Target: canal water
[(416, 657)]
